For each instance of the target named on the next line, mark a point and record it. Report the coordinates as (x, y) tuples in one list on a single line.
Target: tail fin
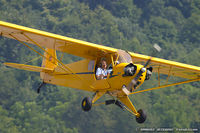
[(49, 63), (29, 67), (50, 59)]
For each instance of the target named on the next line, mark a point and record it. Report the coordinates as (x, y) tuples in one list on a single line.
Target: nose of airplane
[(129, 70), (137, 80)]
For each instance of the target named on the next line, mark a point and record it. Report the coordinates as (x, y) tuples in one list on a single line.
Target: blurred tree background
[(132, 25)]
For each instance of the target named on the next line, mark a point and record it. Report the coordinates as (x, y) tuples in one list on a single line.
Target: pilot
[(102, 71)]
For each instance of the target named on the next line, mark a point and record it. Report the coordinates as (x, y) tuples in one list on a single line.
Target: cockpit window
[(91, 65), (123, 57)]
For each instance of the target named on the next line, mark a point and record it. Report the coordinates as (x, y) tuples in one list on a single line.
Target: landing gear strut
[(38, 89), (86, 104), (142, 117)]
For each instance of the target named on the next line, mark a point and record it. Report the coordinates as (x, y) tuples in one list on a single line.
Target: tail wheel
[(86, 104), (142, 117)]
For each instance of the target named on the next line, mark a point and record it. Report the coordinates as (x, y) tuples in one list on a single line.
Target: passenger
[(102, 71)]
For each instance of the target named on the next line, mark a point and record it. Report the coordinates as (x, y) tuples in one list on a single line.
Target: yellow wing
[(54, 41), (168, 67), (90, 50)]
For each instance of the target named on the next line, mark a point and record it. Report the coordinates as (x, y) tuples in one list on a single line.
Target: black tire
[(142, 117), (86, 104)]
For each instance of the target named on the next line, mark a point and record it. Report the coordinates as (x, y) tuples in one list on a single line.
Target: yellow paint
[(118, 81), (54, 41), (176, 68), (84, 103), (128, 103), (29, 67), (112, 60), (81, 74), (83, 80), (49, 61), (98, 95), (164, 86)]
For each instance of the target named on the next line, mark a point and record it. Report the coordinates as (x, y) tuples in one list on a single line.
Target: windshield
[(123, 57)]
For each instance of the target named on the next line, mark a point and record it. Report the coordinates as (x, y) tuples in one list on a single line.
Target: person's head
[(103, 64)]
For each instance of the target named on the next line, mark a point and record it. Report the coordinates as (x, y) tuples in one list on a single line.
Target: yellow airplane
[(127, 72)]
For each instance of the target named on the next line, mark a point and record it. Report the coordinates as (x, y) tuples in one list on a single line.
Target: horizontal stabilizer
[(29, 67)]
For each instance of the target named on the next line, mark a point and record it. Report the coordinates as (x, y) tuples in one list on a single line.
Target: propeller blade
[(134, 82), (157, 47), (147, 63)]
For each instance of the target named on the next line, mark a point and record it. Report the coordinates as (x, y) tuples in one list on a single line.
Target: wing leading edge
[(53, 41), (167, 67), (91, 50)]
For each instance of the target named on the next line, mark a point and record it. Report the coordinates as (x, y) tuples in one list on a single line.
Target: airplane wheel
[(142, 117), (86, 104)]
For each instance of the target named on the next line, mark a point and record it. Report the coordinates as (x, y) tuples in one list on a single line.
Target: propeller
[(134, 82)]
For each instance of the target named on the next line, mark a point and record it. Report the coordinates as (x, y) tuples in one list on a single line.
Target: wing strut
[(169, 74), (47, 53), (163, 86), (43, 55), (159, 75), (27, 45)]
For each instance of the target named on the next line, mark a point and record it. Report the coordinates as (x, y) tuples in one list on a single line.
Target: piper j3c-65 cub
[(127, 72)]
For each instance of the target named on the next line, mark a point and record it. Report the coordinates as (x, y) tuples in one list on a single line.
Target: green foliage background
[(132, 25)]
